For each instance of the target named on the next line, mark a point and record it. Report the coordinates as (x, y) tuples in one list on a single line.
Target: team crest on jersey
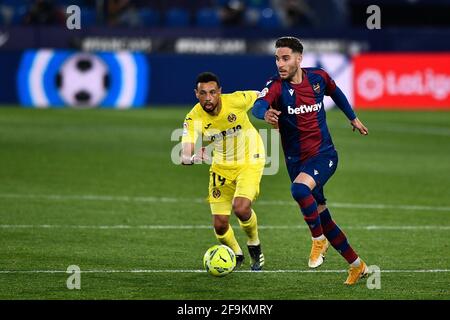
[(232, 117), (316, 88), (216, 193)]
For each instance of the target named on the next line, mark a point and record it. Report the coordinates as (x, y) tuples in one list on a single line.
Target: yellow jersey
[(236, 142)]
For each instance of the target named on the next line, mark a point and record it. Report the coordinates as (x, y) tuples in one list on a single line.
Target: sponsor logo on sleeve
[(185, 128), (263, 93)]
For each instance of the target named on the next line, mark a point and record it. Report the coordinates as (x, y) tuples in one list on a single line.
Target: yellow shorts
[(244, 184)]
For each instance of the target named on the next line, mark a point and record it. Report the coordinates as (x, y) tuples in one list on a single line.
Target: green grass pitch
[(97, 189)]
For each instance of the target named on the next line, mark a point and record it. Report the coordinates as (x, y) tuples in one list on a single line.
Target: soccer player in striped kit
[(292, 101)]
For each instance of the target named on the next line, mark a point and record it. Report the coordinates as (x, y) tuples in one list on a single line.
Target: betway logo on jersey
[(305, 108)]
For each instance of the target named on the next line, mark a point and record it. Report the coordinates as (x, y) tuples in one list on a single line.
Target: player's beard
[(214, 107), (290, 74)]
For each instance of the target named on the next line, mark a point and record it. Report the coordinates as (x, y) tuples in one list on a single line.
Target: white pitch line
[(203, 271), (193, 227), (395, 127), (377, 206)]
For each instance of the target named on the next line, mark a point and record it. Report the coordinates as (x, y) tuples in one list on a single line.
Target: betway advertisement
[(402, 81)]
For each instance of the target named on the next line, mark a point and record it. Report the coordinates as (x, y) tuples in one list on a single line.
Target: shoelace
[(352, 272), (316, 250)]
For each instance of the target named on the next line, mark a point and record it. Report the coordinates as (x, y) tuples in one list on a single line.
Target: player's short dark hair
[(292, 43), (207, 77)]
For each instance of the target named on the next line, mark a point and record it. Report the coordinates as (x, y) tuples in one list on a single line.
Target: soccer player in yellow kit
[(237, 163)]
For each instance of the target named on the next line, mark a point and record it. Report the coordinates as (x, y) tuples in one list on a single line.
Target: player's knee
[(300, 191), (243, 210), (220, 227)]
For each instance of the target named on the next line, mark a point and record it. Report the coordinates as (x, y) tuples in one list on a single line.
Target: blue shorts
[(320, 167)]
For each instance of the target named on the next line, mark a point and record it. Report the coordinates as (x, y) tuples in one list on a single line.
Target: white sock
[(253, 243), (356, 263), (321, 237)]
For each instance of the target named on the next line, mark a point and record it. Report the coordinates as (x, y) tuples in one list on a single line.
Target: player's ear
[(300, 58), (196, 93)]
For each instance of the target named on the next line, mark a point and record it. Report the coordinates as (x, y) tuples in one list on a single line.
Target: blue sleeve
[(341, 101), (259, 108)]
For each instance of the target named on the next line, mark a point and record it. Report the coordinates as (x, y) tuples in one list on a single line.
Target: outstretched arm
[(357, 124), (341, 101)]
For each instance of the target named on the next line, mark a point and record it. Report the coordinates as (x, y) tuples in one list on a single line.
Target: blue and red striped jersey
[(302, 122)]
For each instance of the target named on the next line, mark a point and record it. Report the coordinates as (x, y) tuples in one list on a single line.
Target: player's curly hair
[(207, 77), (292, 43)]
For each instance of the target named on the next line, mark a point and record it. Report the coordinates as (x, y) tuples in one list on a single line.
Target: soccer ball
[(219, 260), (83, 80)]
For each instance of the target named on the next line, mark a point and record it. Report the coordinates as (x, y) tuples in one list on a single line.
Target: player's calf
[(308, 206)]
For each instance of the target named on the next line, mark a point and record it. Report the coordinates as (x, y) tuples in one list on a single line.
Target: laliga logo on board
[(372, 84)]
